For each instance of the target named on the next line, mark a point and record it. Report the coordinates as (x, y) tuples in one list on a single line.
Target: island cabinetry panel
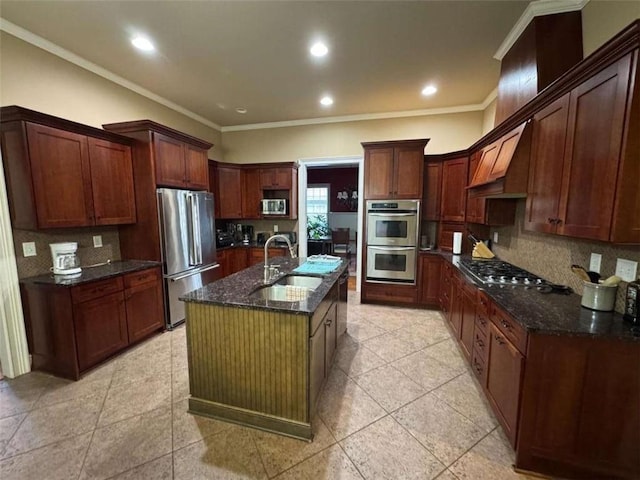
[(590, 426), (71, 329), (62, 174), (429, 279), (582, 151), (394, 169)]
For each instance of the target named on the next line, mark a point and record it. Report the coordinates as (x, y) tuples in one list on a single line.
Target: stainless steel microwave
[(274, 206)]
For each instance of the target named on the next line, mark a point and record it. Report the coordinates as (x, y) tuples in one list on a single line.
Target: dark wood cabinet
[(454, 194), (251, 193), (276, 178), (62, 174), (576, 158), (504, 374), (467, 317), (72, 329), (429, 279), (256, 254), (179, 164), (229, 192), (455, 306), (394, 169), (143, 301), (432, 190)]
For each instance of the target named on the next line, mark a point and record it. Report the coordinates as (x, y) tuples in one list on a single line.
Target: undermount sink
[(300, 281), (292, 288)]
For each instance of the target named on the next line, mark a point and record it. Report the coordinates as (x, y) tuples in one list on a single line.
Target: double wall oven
[(392, 239)]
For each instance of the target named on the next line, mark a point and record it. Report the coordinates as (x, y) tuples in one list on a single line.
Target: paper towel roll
[(457, 243)]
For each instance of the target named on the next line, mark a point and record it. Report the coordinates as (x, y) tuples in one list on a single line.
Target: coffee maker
[(247, 234), (65, 260)]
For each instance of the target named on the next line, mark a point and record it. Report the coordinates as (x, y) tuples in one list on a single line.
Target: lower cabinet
[(322, 344), (71, 329), (234, 259), (467, 299), (429, 279)]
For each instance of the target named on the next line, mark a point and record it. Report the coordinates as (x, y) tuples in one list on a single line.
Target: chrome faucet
[(271, 271)]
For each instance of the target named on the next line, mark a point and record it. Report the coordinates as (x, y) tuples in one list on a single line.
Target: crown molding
[(355, 118), (536, 9), (54, 49)]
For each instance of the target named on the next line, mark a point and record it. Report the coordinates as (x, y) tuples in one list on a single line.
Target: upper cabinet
[(394, 169), (276, 178), (584, 163), (432, 190), (454, 194), (63, 174), (229, 191), (179, 160)]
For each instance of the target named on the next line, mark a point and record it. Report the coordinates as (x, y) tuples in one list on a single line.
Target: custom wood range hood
[(503, 171)]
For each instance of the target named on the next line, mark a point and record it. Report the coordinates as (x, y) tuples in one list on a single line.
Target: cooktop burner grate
[(500, 273)]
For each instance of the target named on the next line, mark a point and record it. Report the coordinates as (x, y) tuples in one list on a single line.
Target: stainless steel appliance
[(392, 240), (392, 222), (497, 272), (274, 206), (292, 236), (223, 239), (632, 303), (188, 245)]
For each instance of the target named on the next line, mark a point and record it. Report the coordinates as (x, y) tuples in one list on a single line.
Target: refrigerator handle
[(193, 256), (195, 228)]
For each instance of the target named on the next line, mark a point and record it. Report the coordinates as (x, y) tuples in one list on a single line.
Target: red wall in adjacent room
[(339, 179)]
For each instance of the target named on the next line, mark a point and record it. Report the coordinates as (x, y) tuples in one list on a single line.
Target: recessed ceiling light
[(142, 43), (429, 90), (319, 49), (241, 110), (326, 100)]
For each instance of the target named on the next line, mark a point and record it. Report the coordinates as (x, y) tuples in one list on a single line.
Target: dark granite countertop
[(552, 313), (93, 274), (235, 290), (254, 245)]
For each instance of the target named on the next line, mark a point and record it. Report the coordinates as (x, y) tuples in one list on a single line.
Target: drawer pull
[(505, 324), (499, 339), (483, 322), (479, 342), (477, 367)]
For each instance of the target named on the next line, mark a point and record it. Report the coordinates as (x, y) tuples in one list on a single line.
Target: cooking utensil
[(580, 272), (594, 277), (554, 288), (612, 280)]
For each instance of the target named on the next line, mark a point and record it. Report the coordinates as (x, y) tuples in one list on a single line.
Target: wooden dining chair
[(340, 242)]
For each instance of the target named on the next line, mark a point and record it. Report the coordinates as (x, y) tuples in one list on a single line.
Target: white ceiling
[(215, 56)]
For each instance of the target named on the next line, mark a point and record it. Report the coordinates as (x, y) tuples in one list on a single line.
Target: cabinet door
[(61, 177), (592, 153), (504, 373), (475, 211), (239, 259), (230, 192), (197, 168), (282, 178), (251, 193), (432, 188), (331, 337), (316, 365), (455, 312), (112, 182), (145, 313), (467, 319), (214, 188), (429, 279), (169, 158), (101, 328), (454, 194), (545, 171), (407, 172), (378, 173), (224, 261)]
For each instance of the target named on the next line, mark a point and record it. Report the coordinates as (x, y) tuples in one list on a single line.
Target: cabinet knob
[(505, 324), (558, 221), (550, 220), (499, 339)]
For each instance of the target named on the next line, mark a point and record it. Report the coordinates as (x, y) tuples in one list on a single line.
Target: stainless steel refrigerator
[(187, 233)]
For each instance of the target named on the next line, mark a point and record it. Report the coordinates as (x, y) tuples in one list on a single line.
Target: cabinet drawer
[(484, 304), (92, 290), (142, 277), (510, 329), (480, 343), (482, 322)]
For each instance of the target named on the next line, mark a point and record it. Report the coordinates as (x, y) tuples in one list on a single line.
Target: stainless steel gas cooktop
[(500, 273)]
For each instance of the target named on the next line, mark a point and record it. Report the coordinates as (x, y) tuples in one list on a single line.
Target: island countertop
[(235, 290)]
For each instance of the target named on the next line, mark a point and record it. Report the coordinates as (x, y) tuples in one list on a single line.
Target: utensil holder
[(599, 297)]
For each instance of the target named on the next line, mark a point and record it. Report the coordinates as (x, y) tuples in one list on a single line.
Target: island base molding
[(249, 418)]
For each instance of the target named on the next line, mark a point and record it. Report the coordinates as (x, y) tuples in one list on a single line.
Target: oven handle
[(392, 248), (375, 214)]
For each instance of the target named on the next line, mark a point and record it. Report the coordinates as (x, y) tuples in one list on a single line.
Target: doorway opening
[(334, 186)]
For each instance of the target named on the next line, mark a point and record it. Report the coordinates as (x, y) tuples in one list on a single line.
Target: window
[(317, 211)]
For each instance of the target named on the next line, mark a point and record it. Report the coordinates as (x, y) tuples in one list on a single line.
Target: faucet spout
[(267, 275)]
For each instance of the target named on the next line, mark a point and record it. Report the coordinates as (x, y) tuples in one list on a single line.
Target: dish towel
[(319, 264)]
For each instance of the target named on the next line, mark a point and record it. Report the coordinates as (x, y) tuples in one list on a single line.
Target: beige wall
[(35, 79), (602, 19), (447, 133), (489, 117)]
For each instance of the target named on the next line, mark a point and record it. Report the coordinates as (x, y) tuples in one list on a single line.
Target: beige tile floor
[(400, 403)]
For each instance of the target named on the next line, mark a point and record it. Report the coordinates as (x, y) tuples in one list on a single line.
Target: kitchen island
[(261, 362)]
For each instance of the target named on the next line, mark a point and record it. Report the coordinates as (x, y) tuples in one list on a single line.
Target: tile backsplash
[(551, 256), (88, 255)]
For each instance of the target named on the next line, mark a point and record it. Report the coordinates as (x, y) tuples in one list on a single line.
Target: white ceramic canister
[(599, 297)]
